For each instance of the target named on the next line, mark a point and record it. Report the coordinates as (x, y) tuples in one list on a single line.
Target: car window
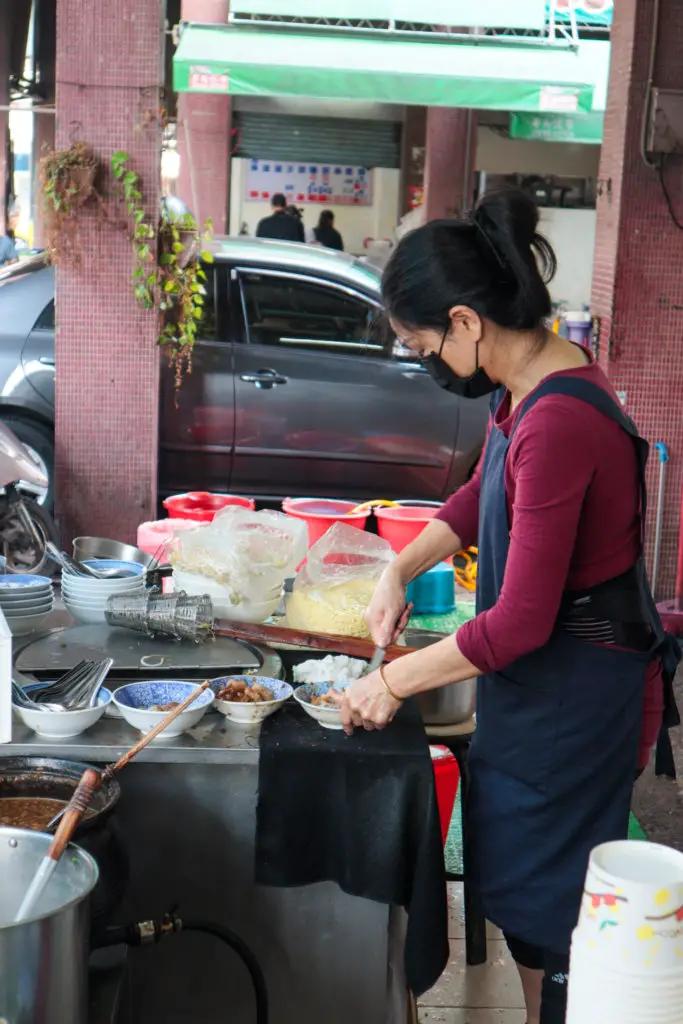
[(46, 320), (291, 312)]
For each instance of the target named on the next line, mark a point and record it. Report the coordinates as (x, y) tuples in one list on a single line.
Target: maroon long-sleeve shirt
[(574, 508)]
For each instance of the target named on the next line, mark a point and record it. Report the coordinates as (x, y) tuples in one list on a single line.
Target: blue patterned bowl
[(329, 718), (134, 701), (251, 713)]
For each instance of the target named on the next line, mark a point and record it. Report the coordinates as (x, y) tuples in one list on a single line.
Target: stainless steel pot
[(447, 705), (100, 547), (44, 961)]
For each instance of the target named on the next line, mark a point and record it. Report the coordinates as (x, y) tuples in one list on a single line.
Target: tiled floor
[(473, 995)]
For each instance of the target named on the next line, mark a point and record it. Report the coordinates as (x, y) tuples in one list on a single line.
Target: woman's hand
[(387, 615), (366, 702)]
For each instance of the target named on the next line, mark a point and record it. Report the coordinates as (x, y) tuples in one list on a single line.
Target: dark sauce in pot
[(34, 812)]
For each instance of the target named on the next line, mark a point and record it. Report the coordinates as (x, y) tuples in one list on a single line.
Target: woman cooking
[(566, 643)]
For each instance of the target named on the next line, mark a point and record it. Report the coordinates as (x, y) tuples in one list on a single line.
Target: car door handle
[(46, 361), (264, 378)]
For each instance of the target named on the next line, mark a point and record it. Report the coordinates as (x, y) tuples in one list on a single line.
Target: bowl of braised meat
[(321, 702), (143, 705), (247, 700)]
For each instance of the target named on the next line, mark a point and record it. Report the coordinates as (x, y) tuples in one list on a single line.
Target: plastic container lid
[(433, 593)]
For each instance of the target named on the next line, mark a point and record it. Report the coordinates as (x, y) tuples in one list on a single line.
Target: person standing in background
[(326, 234), (280, 225), (8, 250)]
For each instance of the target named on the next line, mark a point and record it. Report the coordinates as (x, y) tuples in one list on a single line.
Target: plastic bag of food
[(334, 589), (249, 553)]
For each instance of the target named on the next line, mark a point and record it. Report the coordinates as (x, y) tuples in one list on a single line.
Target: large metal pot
[(447, 705), (98, 834), (44, 961)]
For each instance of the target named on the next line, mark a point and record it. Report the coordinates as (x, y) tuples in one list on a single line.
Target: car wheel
[(40, 442)]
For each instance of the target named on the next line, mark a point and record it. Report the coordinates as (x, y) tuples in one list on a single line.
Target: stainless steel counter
[(188, 816), (213, 741)]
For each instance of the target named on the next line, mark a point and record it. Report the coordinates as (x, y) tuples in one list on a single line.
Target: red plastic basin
[(447, 779), (400, 526), (320, 514), (201, 507)]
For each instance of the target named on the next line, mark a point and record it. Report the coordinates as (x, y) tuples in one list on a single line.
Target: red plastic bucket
[(320, 514), (201, 507), (401, 525), (447, 779)]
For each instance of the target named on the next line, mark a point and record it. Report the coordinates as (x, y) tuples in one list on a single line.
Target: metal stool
[(457, 738)]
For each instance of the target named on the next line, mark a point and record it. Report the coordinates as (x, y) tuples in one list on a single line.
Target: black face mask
[(476, 385)]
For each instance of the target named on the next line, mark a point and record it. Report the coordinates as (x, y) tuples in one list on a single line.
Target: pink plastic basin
[(201, 507), (400, 526), (320, 514)]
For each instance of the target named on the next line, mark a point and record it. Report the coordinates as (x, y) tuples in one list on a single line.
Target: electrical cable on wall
[(660, 166)]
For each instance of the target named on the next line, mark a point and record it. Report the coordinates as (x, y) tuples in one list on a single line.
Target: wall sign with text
[(337, 185)]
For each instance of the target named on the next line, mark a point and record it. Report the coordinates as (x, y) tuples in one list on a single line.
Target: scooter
[(25, 527)]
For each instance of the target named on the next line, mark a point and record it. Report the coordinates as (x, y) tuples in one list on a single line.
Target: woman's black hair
[(326, 219), (494, 261)]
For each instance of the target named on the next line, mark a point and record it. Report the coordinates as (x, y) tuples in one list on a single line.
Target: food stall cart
[(188, 814)]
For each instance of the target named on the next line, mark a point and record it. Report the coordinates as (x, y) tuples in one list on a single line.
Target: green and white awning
[(246, 61)]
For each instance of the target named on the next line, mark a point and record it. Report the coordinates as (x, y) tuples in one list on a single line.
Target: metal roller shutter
[(336, 140)]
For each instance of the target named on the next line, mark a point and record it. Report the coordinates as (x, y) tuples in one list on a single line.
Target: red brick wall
[(204, 124), (451, 144), (109, 76), (638, 275)]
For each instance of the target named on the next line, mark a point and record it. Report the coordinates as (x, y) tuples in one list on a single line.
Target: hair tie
[(474, 220)]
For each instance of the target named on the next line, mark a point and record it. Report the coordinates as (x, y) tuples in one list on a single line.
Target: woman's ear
[(465, 323)]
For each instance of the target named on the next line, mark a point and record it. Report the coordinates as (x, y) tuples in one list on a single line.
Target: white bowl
[(251, 714), (85, 614), (134, 699), (17, 598), (61, 725), (329, 718), (22, 625), (35, 608), (102, 588)]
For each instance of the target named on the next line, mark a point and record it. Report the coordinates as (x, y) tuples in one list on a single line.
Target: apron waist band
[(610, 613)]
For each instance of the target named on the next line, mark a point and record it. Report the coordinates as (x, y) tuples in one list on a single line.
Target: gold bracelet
[(388, 688)]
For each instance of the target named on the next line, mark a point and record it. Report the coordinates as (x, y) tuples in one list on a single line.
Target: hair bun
[(509, 219)]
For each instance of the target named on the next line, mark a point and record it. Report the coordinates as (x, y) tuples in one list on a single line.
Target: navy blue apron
[(554, 756)]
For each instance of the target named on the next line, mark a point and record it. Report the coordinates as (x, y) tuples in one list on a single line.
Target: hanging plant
[(67, 181), (181, 285), (166, 271)]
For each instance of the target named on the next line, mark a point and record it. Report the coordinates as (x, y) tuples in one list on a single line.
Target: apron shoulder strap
[(586, 391), (593, 394)]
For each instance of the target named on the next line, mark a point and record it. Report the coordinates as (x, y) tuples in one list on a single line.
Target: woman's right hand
[(387, 615)]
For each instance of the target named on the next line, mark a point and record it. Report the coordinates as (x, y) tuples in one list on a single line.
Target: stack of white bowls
[(25, 601), (85, 597), (627, 949), (222, 598)]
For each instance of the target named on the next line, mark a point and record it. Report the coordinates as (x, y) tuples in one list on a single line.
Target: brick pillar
[(204, 123), (449, 164), (637, 281), (109, 80)]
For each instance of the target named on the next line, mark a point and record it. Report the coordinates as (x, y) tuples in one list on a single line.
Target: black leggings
[(555, 967)]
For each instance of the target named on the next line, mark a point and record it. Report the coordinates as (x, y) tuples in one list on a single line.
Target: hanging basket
[(186, 237), (82, 183)]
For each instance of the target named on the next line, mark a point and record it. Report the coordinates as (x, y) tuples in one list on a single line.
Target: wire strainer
[(179, 615)]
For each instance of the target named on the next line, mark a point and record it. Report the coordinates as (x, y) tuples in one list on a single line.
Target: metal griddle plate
[(135, 654)]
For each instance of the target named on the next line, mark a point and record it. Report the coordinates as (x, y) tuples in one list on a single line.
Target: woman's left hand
[(367, 703)]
